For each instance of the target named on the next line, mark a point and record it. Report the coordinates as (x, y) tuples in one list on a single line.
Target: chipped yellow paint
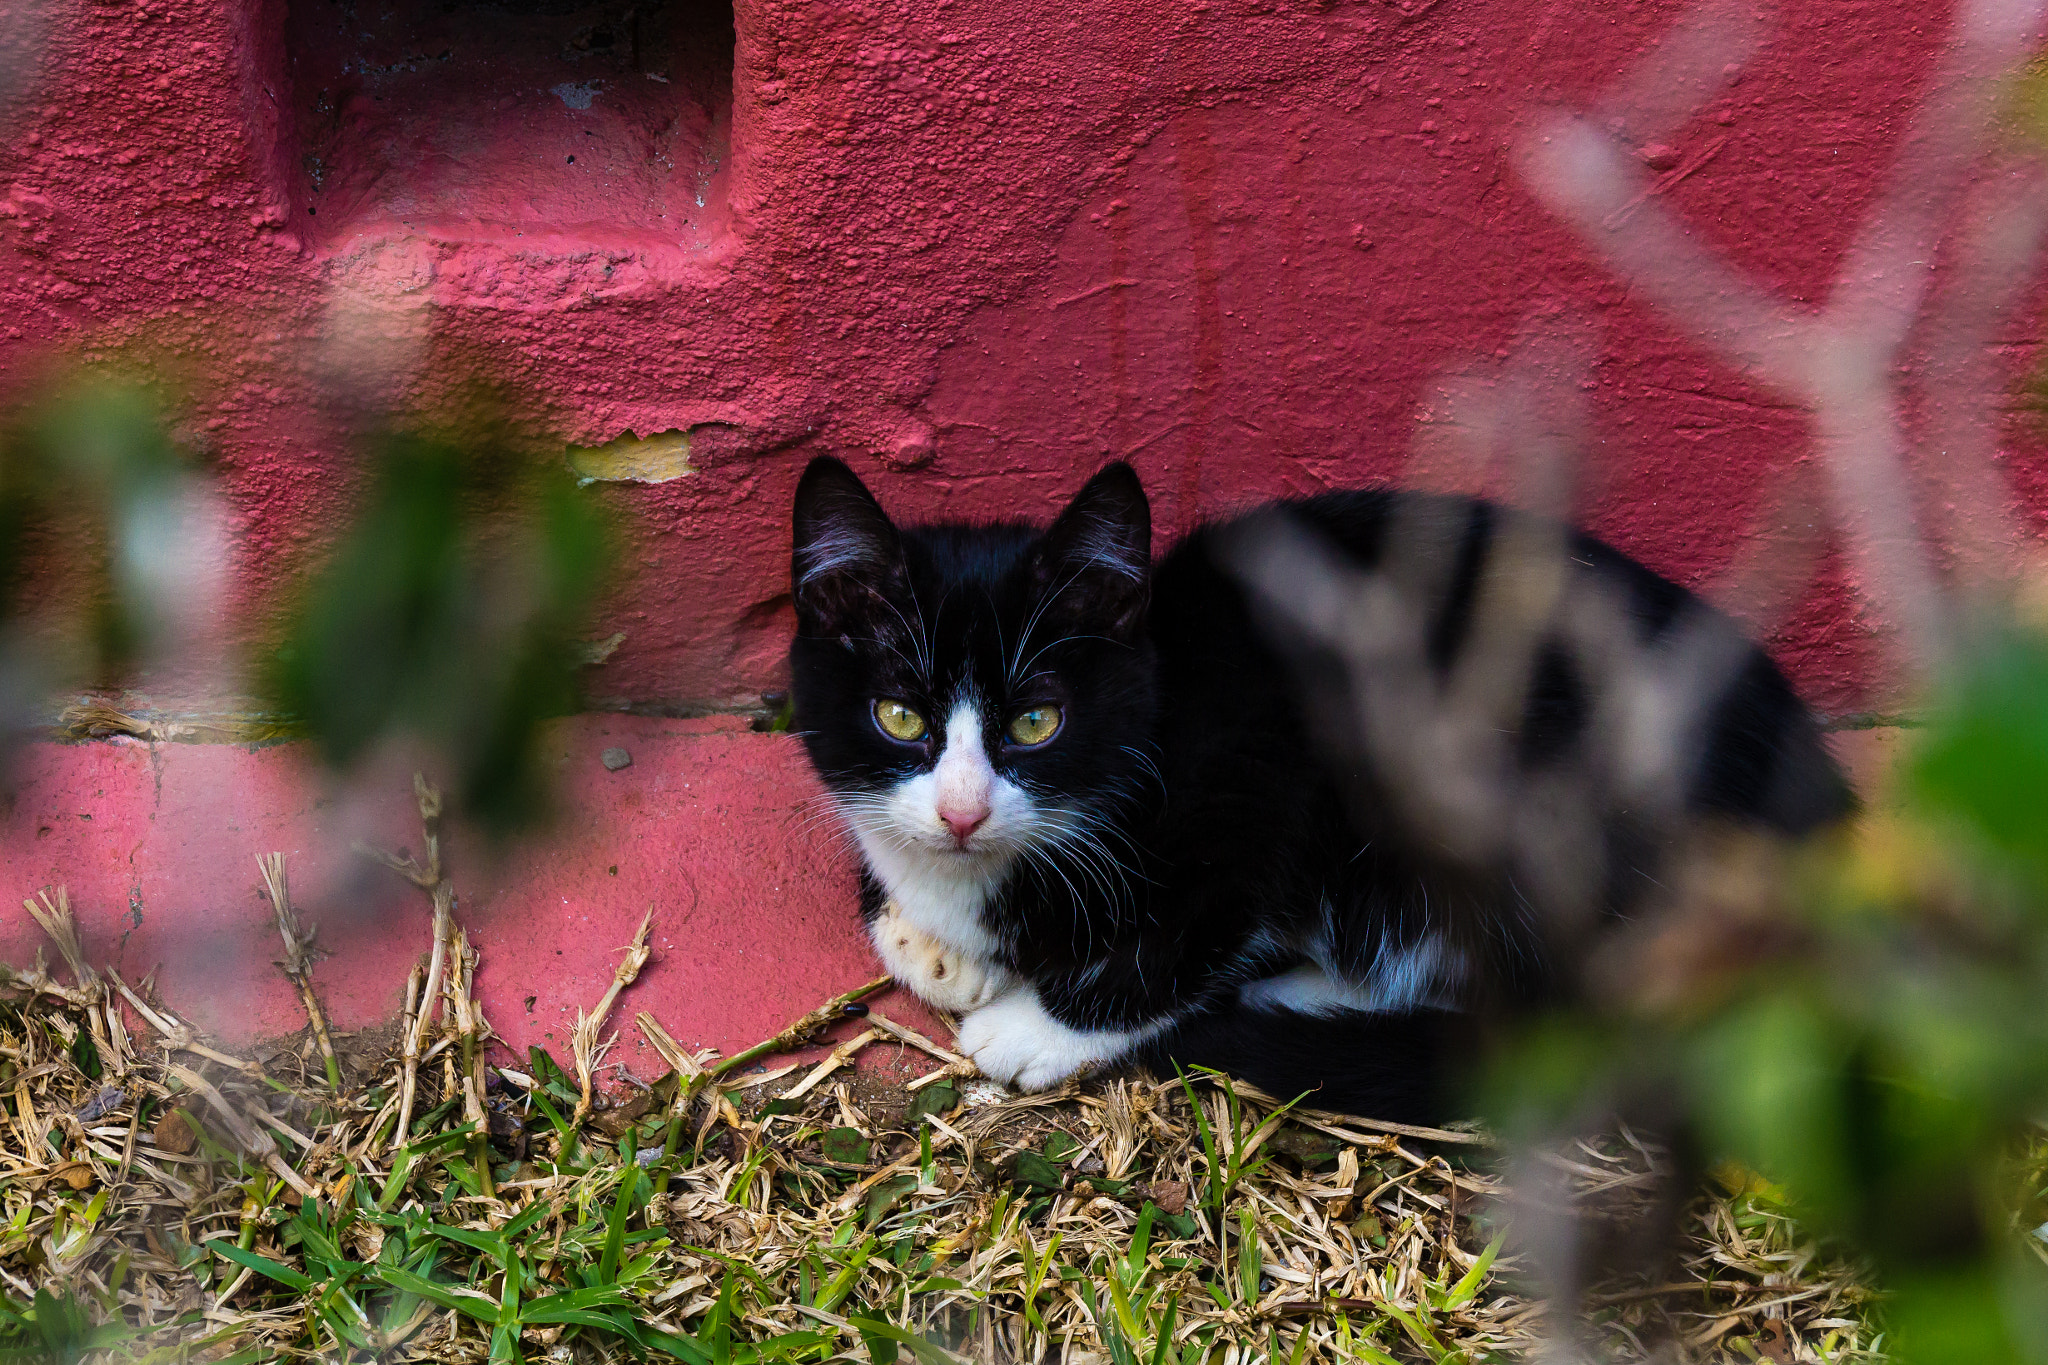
[(635, 459)]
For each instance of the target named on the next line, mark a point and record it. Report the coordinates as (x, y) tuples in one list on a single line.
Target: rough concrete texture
[(754, 908), (978, 246)]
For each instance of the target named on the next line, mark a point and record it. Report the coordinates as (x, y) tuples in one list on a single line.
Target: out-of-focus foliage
[(91, 489), (448, 613), (1985, 770), (1869, 1031)]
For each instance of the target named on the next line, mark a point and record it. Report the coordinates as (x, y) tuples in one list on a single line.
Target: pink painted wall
[(978, 246), (711, 828)]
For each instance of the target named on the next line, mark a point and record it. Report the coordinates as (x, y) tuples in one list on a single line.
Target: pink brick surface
[(754, 907)]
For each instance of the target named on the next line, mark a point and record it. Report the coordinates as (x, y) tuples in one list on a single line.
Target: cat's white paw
[(1015, 1041), (936, 972)]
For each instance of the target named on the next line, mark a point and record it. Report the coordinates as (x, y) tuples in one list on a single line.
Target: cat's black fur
[(1236, 833)]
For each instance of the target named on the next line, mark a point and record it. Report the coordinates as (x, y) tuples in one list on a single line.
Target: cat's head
[(973, 695)]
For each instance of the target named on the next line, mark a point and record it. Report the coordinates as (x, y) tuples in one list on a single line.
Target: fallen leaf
[(848, 1146), (1033, 1169), (174, 1133), (1170, 1195)]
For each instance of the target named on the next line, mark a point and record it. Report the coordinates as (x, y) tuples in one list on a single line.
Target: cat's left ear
[(1096, 558)]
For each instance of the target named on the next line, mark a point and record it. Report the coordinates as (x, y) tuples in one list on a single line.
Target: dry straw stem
[(832, 1012), (178, 1036), (470, 1036), (249, 1138), (951, 1071), (298, 958), (917, 1040), (840, 1056), (687, 1065), (51, 911), (1355, 1245), (38, 981), (408, 1023), (428, 877), (584, 1042)]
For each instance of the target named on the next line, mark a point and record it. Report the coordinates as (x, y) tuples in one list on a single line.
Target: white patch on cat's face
[(939, 878), (963, 783)]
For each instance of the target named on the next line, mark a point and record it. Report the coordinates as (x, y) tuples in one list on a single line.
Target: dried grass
[(174, 1202)]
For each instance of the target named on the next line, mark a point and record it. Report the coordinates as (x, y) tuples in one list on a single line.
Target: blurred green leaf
[(1985, 758), (90, 482), (449, 612), (1953, 1316), (1771, 1076)]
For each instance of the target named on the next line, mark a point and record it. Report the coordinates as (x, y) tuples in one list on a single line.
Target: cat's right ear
[(845, 550)]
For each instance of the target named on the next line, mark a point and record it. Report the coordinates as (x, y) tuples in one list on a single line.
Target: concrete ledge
[(715, 827), (754, 900)]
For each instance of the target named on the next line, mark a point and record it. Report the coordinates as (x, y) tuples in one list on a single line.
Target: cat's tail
[(1399, 1067)]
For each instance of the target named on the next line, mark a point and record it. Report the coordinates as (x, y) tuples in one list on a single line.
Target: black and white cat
[(1100, 822)]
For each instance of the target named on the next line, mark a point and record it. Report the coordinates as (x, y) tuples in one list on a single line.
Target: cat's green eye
[(899, 721), (1035, 726)]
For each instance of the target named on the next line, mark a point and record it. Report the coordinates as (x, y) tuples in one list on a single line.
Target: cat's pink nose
[(964, 820)]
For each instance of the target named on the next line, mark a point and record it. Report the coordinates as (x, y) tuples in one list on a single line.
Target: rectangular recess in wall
[(602, 123)]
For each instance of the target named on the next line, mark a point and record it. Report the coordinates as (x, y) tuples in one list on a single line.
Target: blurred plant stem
[(1862, 1025)]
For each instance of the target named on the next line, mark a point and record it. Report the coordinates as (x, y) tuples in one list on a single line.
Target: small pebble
[(1658, 156), (616, 758)]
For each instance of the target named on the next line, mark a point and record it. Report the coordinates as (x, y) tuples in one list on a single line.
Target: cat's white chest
[(941, 894)]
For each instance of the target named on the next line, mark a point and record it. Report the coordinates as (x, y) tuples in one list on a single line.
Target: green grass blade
[(1212, 1190), (1249, 1261), (490, 1243), (1125, 1318), (525, 1220), (284, 1275), (926, 1353), (1167, 1322), (478, 1307), (615, 1226), (544, 1308), (1467, 1287), (1141, 1240), (842, 1284)]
